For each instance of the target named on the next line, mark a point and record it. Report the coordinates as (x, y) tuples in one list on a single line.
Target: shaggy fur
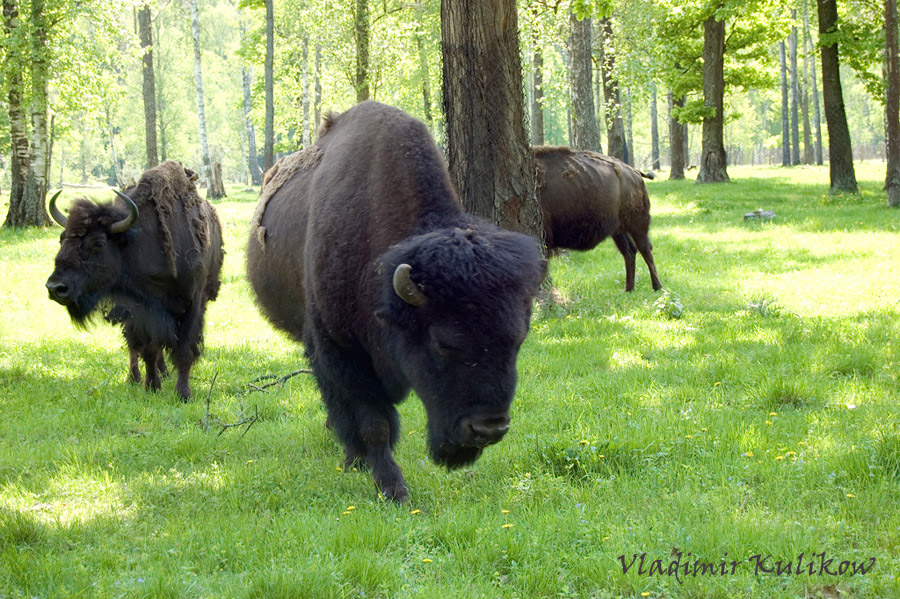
[(379, 196), (586, 197), (154, 279)]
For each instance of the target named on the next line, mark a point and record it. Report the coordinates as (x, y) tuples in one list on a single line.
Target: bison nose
[(479, 431), (57, 291)]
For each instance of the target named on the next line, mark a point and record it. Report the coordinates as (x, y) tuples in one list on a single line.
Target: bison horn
[(127, 222), (408, 291), (58, 216)]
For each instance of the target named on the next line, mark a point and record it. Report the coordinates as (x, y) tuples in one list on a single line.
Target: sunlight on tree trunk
[(269, 133), (713, 161), (149, 85), (840, 150), (892, 105), (585, 134), (490, 161)]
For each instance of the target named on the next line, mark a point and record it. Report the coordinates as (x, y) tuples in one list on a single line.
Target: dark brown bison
[(586, 197), (151, 261), (359, 248)]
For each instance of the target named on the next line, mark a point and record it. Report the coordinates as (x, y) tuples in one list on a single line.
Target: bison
[(586, 197), (150, 261), (359, 249)]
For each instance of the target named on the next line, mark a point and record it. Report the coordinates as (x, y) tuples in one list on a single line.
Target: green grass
[(761, 420)]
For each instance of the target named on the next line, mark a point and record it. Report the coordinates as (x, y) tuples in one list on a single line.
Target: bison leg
[(151, 355), (626, 247), (362, 416), (187, 347), (134, 365), (646, 249)]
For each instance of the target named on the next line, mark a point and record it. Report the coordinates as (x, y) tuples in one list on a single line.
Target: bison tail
[(648, 175)]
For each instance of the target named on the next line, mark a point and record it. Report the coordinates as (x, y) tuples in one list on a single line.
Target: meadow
[(748, 414)]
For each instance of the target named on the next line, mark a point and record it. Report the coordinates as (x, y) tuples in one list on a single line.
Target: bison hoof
[(396, 493)]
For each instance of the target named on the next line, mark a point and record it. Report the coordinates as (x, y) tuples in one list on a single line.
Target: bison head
[(89, 260), (456, 308)]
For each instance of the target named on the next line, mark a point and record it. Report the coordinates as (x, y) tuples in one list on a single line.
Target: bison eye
[(96, 244)]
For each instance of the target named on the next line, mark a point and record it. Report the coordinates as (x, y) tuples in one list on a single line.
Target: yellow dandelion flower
[(704, 429), (689, 436), (414, 512), (605, 538), (345, 513), (584, 441), (800, 443), (851, 495), (339, 469), (601, 456), (768, 422), (773, 413), (506, 526), (504, 511), (426, 561), (249, 461), (749, 454), (791, 453), (350, 508), (779, 457), (645, 594)]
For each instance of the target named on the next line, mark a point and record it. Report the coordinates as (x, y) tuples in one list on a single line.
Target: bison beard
[(151, 262), (364, 255)]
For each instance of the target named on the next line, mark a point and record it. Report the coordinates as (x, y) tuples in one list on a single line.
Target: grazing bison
[(359, 248), (586, 197), (150, 261)]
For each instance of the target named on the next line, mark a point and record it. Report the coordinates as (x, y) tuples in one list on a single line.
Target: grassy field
[(763, 422)]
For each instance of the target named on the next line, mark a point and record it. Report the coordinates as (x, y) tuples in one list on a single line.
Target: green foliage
[(669, 305), (733, 429)]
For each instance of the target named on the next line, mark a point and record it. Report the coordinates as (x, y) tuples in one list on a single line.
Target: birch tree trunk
[(654, 131), (808, 155), (35, 191), (252, 152), (211, 188), (795, 96), (269, 133), (785, 110), (18, 123)]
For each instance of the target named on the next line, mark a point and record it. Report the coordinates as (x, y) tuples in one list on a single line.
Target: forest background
[(83, 63)]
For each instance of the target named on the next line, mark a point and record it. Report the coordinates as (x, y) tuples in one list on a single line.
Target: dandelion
[(584, 441), (339, 469), (414, 512), (504, 511), (791, 453), (851, 495), (749, 454), (605, 538), (773, 413), (779, 457), (602, 457), (704, 429), (689, 436), (768, 422), (345, 513), (645, 594), (350, 508), (506, 526), (426, 561)]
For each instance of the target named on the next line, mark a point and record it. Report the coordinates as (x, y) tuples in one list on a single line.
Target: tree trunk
[(146, 33), (804, 93), (252, 157), (629, 132), (218, 186), (160, 106), (585, 135), (817, 113), (840, 150), (677, 140), (892, 105), (35, 191), (317, 87), (795, 96), (305, 137), (252, 152), (201, 111), (615, 129), (654, 131), (361, 35), (785, 110), (490, 161), (537, 95), (426, 80), (713, 161), (18, 123), (269, 134)]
